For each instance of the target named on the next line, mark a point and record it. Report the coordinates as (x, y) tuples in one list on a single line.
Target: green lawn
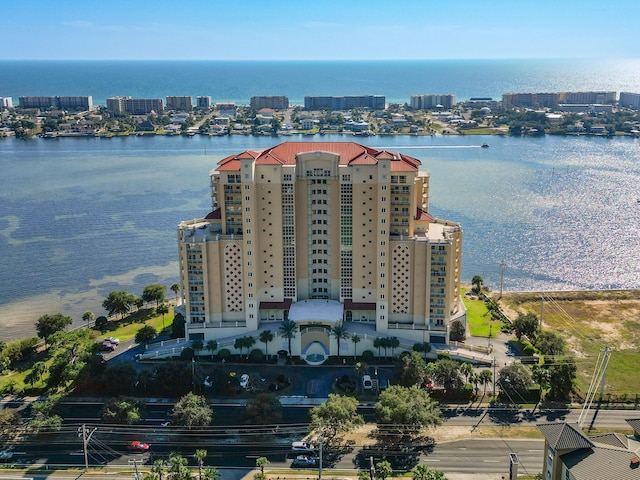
[(479, 319)]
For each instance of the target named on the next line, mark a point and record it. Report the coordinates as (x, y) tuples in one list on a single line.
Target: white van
[(301, 447)]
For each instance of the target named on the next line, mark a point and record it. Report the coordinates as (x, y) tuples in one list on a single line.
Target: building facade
[(321, 234), (630, 100), (426, 102), (203, 102), (184, 103), (6, 102), (57, 102), (135, 106), (275, 102), (348, 102)]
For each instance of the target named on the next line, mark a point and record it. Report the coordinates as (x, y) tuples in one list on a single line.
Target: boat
[(485, 145)]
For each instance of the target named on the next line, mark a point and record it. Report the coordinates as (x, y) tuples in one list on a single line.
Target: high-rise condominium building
[(425, 102), (320, 234), (629, 100), (135, 106), (184, 103), (203, 102), (275, 102), (58, 102)]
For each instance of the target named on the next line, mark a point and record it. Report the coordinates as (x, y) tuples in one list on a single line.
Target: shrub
[(224, 353), (256, 355), (367, 355), (444, 356), (528, 348)]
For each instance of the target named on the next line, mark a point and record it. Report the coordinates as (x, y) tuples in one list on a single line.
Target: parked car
[(108, 347), (6, 455), (428, 384), (244, 380), (367, 384), (138, 447), (383, 383), (304, 461), (301, 447), (112, 340)]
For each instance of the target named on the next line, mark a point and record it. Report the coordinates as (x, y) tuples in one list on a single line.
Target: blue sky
[(318, 29)]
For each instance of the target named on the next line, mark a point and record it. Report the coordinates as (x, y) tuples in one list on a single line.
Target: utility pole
[(501, 277), (86, 436), (320, 452), (372, 468), (494, 376)]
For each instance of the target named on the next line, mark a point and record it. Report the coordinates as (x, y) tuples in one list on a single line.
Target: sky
[(318, 29)]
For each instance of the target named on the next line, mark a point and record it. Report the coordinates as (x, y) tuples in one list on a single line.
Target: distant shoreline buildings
[(563, 101)]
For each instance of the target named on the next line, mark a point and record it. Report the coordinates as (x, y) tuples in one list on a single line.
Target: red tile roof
[(215, 215), (422, 215), (351, 153)]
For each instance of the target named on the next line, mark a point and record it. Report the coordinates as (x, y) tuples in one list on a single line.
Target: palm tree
[(175, 288), (377, 343), (262, 462), (477, 283), (88, 317), (265, 337), (212, 473), (162, 309), (485, 377), (178, 467), (212, 346), (288, 330), (394, 343), (197, 346), (200, 456), (422, 347), (158, 467), (355, 339), (243, 342), (466, 369), (339, 332)]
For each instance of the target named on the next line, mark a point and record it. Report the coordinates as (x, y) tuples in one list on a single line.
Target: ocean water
[(80, 217), (239, 81)]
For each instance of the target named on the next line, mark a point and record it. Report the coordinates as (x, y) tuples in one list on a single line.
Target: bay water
[(80, 217)]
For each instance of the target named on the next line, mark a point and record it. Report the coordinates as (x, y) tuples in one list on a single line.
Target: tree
[(514, 381), (118, 303), (177, 327), (212, 346), (158, 468), (212, 473), (414, 370), (394, 342), (178, 468), (162, 309), (485, 377), (477, 283), (47, 325), (377, 343), (146, 335), (466, 369), (154, 293), (88, 317), (9, 420), (175, 288), (424, 347), (264, 409), (262, 462), (562, 376), (383, 470), (243, 342), (457, 332), (265, 337), (37, 371), (200, 456), (446, 372), (407, 408), (338, 414), (422, 472), (339, 332), (526, 325), (192, 411), (45, 416), (124, 411), (101, 323), (288, 329), (355, 339), (549, 343), (197, 346)]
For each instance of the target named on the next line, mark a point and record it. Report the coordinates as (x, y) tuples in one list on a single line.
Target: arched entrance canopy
[(316, 310)]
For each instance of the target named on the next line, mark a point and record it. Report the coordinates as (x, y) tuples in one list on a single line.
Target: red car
[(138, 447)]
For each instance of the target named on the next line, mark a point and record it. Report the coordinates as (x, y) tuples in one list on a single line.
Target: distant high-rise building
[(6, 102), (629, 100), (347, 102), (203, 102), (322, 234), (273, 102), (57, 102), (551, 99), (184, 103), (427, 102), (135, 106)]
